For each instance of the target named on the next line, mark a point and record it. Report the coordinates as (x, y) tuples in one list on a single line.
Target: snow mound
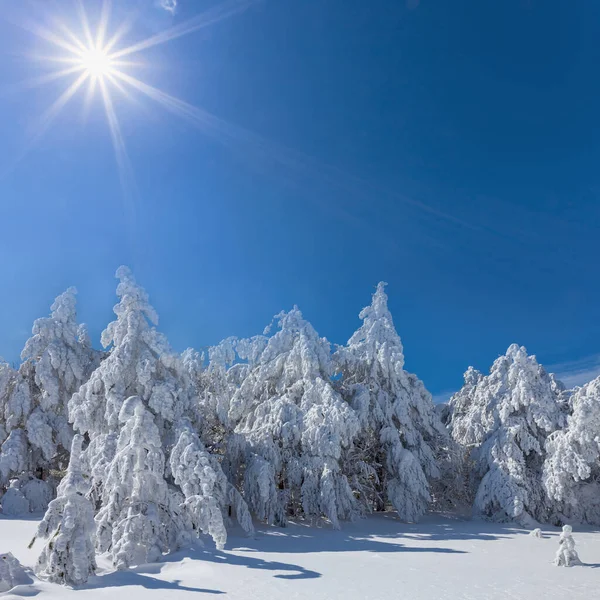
[(12, 573)]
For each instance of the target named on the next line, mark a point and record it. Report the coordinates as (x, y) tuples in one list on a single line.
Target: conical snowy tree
[(505, 417), (58, 358), (69, 556), (140, 363), (140, 517), (572, 468), (401, 438), (296, 426), (133, 409)]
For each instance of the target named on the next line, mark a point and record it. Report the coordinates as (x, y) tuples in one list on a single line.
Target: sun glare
[(97, 62)]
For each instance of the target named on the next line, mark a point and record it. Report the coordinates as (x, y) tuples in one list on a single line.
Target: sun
[(97, 62)]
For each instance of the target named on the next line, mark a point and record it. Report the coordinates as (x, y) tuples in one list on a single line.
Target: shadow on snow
[(133, 577), (291, 571), (361, 536)]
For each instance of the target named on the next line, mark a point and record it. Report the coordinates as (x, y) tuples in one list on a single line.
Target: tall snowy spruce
[(401, 440), (505, 419), (57, 359), (572, 468), (297, 428), (135, 409), (68, 526), (140, 518)]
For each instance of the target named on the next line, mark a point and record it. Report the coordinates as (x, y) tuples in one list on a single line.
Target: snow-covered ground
[(375, 558)]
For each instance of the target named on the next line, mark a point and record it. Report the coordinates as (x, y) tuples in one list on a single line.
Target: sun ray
[(54, 109), (85, 24), (227, 133), (123, 29), (89, 95), (207, 18), (44, 123), (117, 84), (74, 39), (49, 36), (34, 82), (125, 168), (103, 25), (45, 58)]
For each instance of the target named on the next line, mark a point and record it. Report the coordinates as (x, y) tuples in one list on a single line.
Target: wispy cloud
[(577, 372), (169, 5), (442, 397)]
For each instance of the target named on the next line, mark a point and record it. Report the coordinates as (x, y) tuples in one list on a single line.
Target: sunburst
[(92, 58), (97, 63)]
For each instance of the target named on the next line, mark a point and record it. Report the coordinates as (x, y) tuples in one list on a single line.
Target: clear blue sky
[(449, 148)]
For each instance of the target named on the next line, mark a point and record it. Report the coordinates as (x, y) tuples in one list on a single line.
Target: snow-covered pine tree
[(140, 518), (505, 418), (7, 375), (142, 510), (68, 556), (58, 358), (215, 383), (572, 468), (401, 439), (296, 426), (205, 487)]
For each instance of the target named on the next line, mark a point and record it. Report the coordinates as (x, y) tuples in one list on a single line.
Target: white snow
[(374, 558)]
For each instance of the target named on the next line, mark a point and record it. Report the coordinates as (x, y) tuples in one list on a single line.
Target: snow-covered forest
[(134, 450)]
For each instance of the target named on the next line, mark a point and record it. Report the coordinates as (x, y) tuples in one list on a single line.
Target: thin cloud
[(442, 397), (169, 5), (577, 372)]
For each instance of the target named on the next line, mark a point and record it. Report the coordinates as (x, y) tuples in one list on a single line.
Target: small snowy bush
[(13, 502), (11, 572), (566, 555), (537, 533), (39, 493)]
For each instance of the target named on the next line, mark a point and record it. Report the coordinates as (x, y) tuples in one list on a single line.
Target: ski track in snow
[(378, 557)]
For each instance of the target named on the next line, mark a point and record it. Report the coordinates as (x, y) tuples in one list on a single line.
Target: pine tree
[(572, 468), (139, 363), (140, 518), (208, 494), (296, 427), (401, 438), (505, 418), (69, 555), (7, 375), (133, 408), (57, 359)]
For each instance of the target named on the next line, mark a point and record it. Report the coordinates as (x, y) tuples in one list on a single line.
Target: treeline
[(134, 450)]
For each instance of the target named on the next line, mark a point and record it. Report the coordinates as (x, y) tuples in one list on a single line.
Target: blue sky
[(448, 148)]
